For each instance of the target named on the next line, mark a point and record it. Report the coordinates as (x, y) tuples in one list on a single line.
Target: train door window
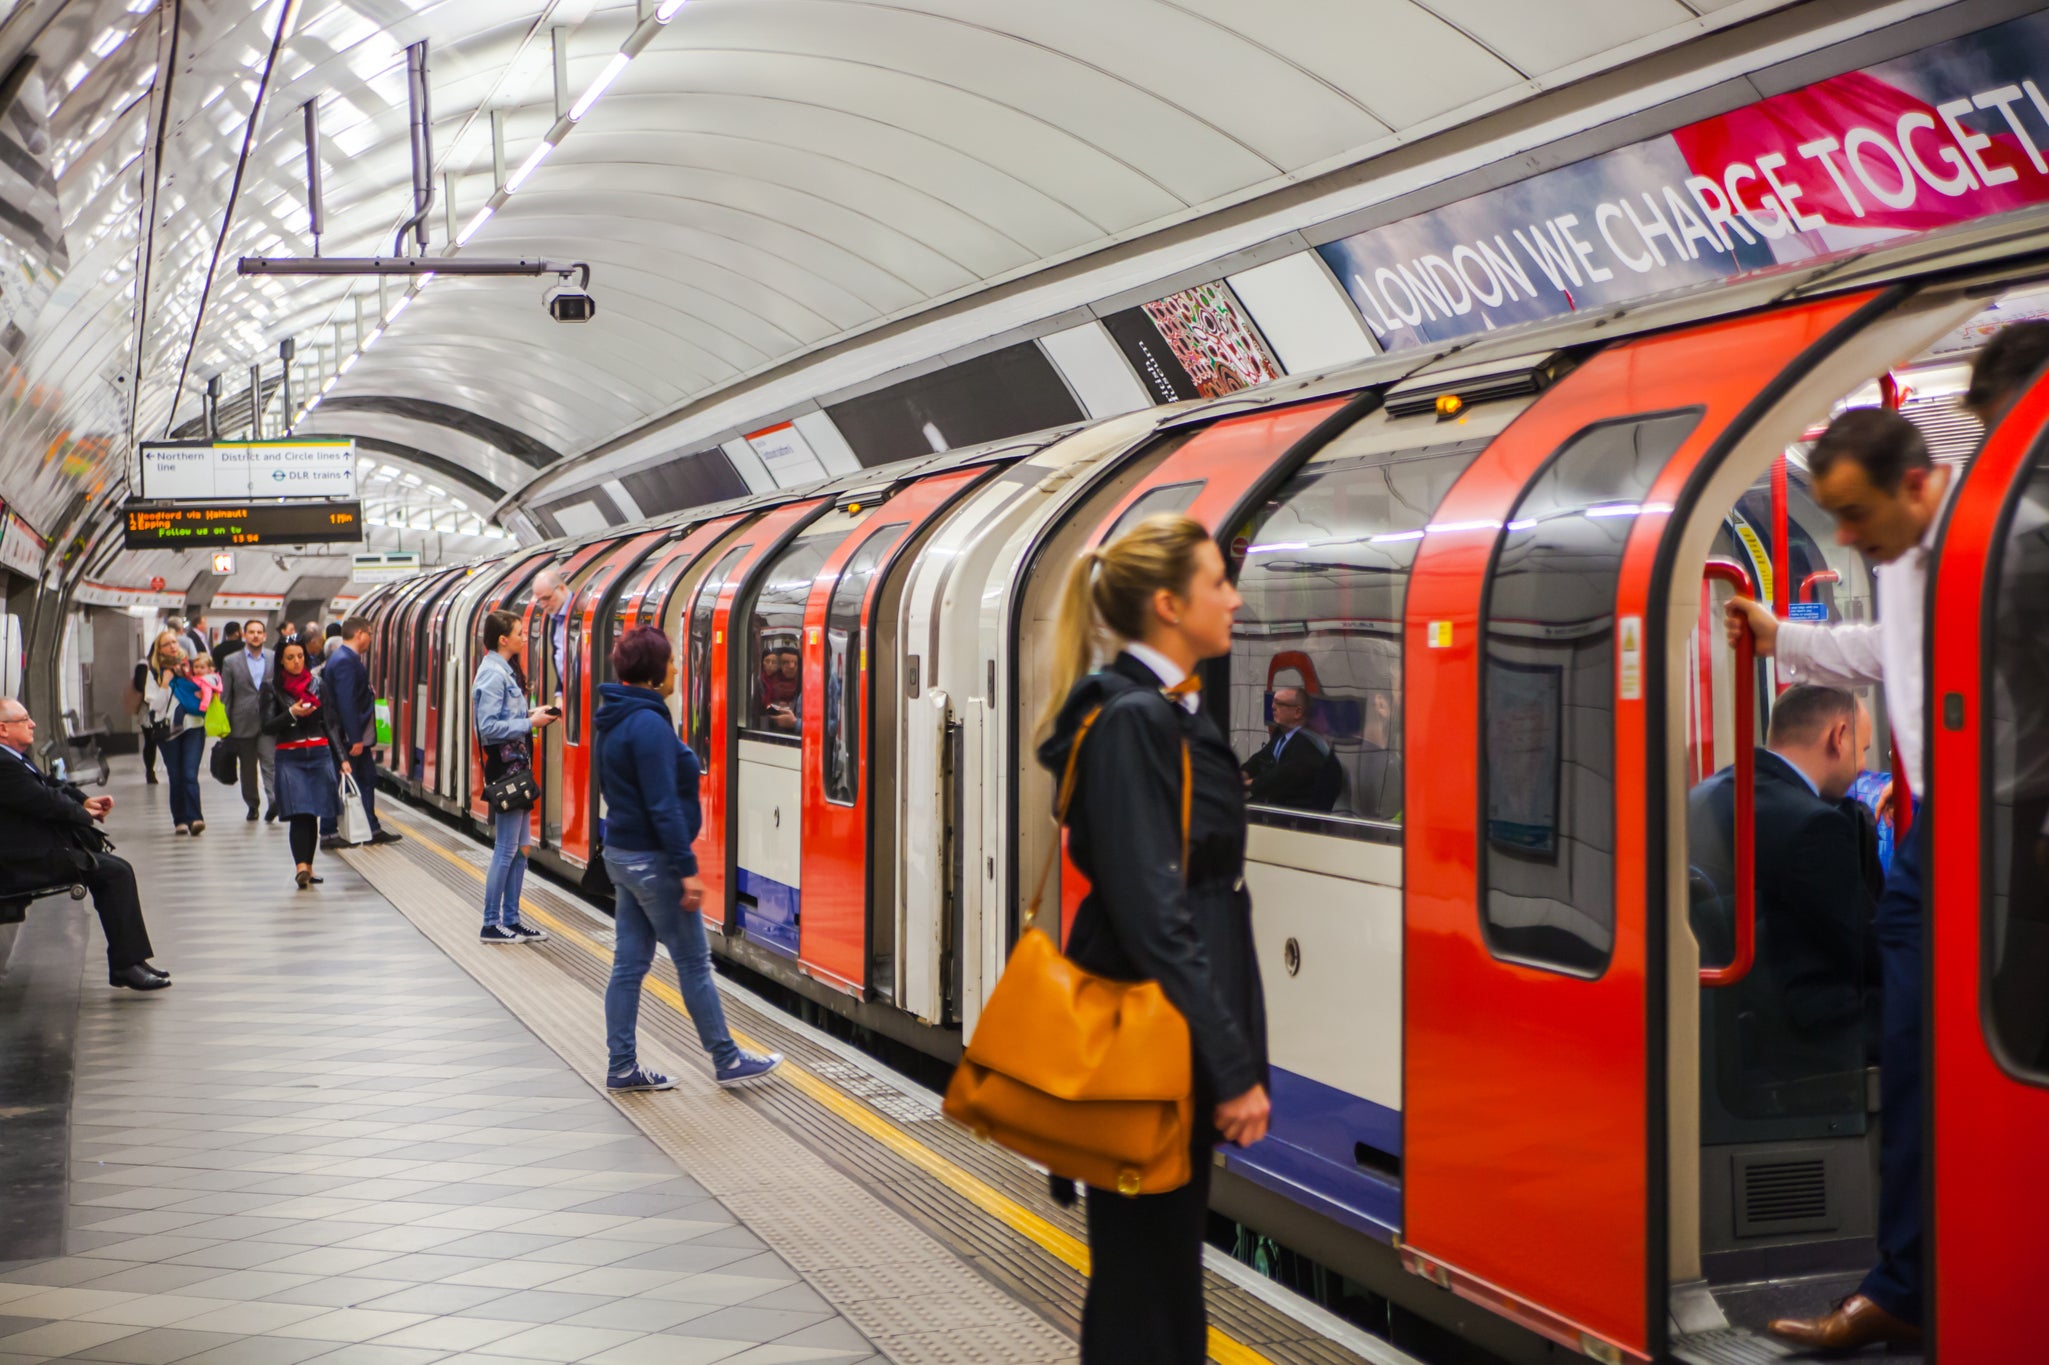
[(1318, 644), (846, 660), (1547, 696), (635, 586), (572, 666), (774, 636), (2016, 801), (703, 613), (1172, 497), (658, 591)]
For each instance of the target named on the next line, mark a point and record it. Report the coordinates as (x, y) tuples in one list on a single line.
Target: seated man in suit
[(1296, 769), (49, 836), (1804, 1005)]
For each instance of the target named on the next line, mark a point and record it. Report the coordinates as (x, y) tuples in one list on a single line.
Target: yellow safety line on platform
[(1223, 1348)]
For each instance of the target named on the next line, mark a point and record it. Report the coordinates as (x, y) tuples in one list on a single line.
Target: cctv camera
[(566, 305)]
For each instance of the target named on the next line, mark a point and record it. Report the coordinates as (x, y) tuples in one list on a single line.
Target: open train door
[(1988, 915), (1540, 617)]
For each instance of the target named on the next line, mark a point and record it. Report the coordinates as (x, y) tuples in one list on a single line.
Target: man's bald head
[(12, 711), (549, 589)]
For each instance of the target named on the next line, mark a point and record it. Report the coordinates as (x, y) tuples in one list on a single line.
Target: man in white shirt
[(1872, 472)]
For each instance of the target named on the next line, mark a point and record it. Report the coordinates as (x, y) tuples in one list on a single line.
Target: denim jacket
[(498, 703)]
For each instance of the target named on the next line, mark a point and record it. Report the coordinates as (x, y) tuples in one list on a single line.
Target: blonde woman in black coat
[(1161, 590)]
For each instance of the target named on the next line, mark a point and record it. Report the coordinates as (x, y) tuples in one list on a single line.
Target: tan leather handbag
[(1087, 1076)]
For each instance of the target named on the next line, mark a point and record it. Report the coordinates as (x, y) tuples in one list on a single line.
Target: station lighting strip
[(636, 42)]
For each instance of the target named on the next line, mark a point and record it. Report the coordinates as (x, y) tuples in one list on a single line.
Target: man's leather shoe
[(332, 841), (138, 978), (270, 815), (1857, 1322), (252, 815), (386, 836)]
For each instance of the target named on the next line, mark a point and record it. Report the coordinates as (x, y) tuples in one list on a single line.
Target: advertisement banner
[(21, 549), (788, 456), (93, 594), (1946, 135), (205, 471), (1197, 343)]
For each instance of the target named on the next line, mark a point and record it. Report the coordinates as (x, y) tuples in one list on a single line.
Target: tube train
[(1509, 1093)]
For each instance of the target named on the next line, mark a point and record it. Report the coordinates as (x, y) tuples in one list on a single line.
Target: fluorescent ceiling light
[(483, 216), (405, 301), (599, 86), (526, 167), (375, 334), (349, 364), (667, 10)]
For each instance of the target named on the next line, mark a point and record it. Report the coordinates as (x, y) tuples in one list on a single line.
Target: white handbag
[(354, 827)]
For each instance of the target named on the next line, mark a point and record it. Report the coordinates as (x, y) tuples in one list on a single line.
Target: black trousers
[(149, 752), (305, 836), (1145, 1304), (112, 883)]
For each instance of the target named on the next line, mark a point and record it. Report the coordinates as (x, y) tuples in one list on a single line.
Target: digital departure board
[(203, 525)]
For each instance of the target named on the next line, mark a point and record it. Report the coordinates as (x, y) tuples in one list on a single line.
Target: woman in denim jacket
[(505, 724)]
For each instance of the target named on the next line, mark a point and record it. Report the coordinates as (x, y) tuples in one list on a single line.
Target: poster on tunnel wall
[(1943, 136)]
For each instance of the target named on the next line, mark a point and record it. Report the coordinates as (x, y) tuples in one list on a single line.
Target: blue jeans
[(510, 831), (1896, 1284), (181, 764), (650, 907)]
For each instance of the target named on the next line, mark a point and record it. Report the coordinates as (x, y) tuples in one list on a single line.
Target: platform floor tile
[(327, 1142)]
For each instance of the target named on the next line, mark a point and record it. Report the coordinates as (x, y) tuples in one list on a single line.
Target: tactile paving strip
[(1024, 1268), (881, 1272)]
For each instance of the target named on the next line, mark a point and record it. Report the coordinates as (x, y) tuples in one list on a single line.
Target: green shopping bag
[(217, 719), (383, 723)]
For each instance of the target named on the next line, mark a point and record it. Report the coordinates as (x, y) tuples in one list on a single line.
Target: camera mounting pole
[(410, 265)]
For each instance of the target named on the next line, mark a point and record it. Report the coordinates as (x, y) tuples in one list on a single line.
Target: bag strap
[(1067, 780)]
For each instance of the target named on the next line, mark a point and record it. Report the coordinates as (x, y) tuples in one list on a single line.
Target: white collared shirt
[(1888, 651), (1165, 669)]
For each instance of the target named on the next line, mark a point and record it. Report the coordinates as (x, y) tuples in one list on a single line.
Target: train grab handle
[(1746, 792)]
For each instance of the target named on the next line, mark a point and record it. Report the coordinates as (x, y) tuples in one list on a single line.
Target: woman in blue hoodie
[(649, 778)]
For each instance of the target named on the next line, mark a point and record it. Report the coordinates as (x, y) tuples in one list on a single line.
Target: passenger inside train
[(1297, 770)]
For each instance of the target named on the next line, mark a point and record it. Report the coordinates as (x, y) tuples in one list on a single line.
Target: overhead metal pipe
[(316, 209), (256, 402), (408, 265), (420, 122)]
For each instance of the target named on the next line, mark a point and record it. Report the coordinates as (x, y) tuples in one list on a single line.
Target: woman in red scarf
[(306, 785)]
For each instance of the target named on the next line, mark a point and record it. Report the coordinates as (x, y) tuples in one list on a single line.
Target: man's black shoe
[(386, 836), (252, 815), (138, 978), (151, 778), (332, 841), (270, 814)]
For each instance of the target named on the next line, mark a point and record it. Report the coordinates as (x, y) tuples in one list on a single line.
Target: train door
[(718, 662), (1209, 474), (1534, 1174), (419, 679), (548, 643), (459, 646), (1988, 896), (765, 645), (397, 667), (840, 941), (437, 670), (588, 645)]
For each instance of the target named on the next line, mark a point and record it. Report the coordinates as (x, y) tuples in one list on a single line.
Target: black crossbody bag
[(517, 789)]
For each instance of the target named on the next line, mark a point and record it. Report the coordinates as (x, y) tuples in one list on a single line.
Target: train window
[(572, 666), (634, 587), (658, 591), (2016, 799), (774, 637), (1172, 497), (1547, 696), (846, 661), (703, 612), (1318, 644)]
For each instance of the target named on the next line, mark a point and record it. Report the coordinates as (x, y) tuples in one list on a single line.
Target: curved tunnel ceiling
[(765, 178)]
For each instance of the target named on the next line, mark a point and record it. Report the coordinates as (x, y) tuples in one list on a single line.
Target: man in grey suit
[(244, 675)]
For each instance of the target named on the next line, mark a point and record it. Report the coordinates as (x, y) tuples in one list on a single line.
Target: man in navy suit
[(1809, 1004), (50, 836), (345, 682)]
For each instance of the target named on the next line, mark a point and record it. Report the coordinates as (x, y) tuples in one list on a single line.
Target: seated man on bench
[(50, 837)]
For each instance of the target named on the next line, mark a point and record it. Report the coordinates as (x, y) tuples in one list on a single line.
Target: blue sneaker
[(498, 933), (526, 935), (750, 1066), (640, 1078)]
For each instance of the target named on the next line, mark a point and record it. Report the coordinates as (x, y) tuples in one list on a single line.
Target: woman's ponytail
[(1113, 588), (1074, 636)]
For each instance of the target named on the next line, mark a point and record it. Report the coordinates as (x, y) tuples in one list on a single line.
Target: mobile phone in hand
[(553, 710)]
